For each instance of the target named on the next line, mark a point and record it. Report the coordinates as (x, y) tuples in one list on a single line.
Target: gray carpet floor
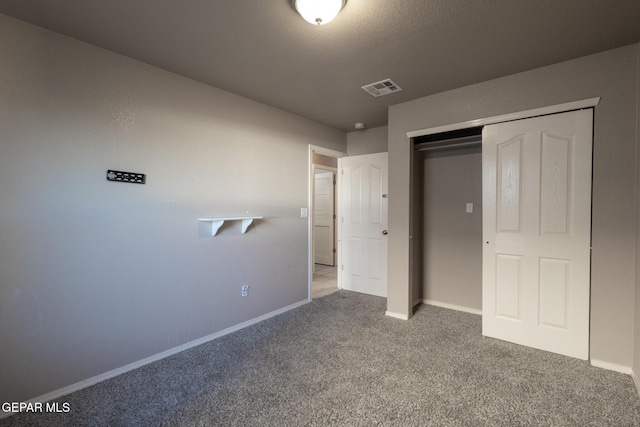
[(339, 361)]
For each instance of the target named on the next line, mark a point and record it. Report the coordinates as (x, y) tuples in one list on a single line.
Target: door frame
[(526, 114), (310, 209)]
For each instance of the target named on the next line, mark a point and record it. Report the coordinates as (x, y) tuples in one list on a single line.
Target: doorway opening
[(448, 219), (323, 212), (325, 274)]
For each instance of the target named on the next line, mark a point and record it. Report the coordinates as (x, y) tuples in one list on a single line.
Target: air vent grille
[(383, 87)]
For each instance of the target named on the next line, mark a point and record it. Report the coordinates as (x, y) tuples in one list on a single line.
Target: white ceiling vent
[(383, 87)]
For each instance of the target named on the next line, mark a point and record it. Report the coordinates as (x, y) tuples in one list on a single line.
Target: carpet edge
[(154, 358)]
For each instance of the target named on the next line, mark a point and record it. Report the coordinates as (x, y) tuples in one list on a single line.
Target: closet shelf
[(216, 223)]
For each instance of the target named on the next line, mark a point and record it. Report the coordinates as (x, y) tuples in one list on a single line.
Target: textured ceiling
[(263, 50)]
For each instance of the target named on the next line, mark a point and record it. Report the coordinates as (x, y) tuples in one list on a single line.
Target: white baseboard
[(396, 315), (611, 366), (147, 360), (452, 306), (636, 381)]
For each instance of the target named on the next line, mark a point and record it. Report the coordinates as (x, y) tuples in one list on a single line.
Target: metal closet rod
[(463, 141)]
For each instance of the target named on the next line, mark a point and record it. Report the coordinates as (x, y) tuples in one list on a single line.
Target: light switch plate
[(304, 212), (469, 207)]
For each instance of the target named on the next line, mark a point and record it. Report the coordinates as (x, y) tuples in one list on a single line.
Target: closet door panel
[(537, 232)]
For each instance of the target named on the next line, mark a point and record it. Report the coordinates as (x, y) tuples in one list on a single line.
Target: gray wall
[(95, 275), (611, 75), (367, 141), (450, 239)]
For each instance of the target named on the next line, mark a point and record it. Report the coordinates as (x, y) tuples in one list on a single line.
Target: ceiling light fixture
[(319, 12)]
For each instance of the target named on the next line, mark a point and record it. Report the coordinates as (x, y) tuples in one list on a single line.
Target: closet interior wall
[(447, 240)]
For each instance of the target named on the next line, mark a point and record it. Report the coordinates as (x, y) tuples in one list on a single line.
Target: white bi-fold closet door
[(537, 231)]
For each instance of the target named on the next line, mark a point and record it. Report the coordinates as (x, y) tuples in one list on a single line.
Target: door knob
[(385, 232)]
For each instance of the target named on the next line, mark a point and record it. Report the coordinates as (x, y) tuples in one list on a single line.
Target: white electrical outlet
[(245, 290)]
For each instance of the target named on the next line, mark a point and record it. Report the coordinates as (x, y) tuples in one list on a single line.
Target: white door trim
[(310, 196), (552, 109)]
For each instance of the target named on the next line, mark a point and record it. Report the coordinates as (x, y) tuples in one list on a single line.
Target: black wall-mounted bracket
[(130, 177)]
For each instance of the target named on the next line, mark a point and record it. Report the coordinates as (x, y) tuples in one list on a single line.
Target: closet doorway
[(536, 228), (448, 208)]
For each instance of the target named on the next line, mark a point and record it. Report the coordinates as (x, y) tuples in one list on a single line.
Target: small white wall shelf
[(216, 223)]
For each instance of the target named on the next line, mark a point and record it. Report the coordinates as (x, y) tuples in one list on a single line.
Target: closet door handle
[(385, 232)]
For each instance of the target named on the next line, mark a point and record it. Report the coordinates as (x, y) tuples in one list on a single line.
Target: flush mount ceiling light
[(318, 12)]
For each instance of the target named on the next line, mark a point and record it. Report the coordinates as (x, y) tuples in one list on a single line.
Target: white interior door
[(323, 218), (537, 232), (363, 222)]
